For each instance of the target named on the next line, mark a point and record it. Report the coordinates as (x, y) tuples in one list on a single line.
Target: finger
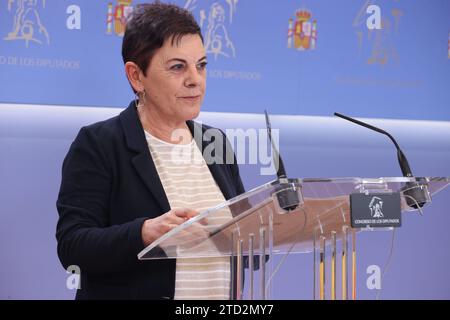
[(192, 235), (172, 226), (175, 220), (180, 212), (185, 213), (192, 213), (197, 230)]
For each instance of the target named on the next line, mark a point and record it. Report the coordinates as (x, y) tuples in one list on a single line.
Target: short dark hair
[(150, 25)]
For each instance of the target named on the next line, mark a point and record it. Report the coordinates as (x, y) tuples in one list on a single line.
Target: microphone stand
[(416, 194), (288, 199)]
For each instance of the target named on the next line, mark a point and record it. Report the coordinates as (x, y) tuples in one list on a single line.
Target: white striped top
[(188, 183)]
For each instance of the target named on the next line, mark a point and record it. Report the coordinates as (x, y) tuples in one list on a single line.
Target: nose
[(193, 77)]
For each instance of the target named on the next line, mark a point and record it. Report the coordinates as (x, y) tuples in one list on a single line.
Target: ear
[(134, 76)]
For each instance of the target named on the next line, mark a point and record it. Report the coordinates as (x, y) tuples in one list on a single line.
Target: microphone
[(416, 195), (288, 199), (281, 172)]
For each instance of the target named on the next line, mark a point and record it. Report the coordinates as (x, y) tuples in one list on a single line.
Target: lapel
[(202, 140), (143, 162)]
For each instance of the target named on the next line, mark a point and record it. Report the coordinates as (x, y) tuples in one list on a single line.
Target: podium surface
[(254, 225)]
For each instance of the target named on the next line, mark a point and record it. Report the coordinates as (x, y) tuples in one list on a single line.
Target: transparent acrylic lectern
[(252, 227)]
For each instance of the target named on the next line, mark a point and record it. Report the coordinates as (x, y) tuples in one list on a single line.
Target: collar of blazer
[(143, 162)]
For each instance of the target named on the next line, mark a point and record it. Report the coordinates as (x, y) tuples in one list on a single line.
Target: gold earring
[(136, 99), (142, 96)]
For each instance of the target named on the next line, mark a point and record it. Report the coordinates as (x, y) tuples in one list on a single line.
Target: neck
[(168, 130)]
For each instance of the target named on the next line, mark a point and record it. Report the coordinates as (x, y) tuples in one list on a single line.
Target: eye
[(177, 67), (202, 65)]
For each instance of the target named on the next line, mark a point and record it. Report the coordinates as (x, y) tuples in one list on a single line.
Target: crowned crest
[(302, 32), (117, 17)]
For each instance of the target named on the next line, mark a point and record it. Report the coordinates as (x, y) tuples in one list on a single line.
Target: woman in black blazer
[(112, 203)]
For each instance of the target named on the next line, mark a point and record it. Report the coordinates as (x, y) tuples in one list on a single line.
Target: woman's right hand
[(152, 229)]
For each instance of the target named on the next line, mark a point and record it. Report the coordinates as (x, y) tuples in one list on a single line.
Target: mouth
[(191, 98)]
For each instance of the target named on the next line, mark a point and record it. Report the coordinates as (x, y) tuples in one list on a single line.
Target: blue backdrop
[(66, 53)]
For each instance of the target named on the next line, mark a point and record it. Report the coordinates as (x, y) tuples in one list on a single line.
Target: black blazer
[(109, 187)]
